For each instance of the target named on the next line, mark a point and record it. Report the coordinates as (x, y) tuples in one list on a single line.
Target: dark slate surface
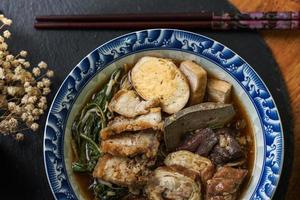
[(22, 173)]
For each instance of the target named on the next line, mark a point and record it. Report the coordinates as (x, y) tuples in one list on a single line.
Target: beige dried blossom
[(32, 99), (35, 112), (23, 53), (2, 76), (23, 89), (46, 91), (24, 116), (40, 84), (36, 71), (6, 34), (42, 65), (27, 84), (19, 136), (50, 73), (46, 82), (26, 64), (34, 126), (9, 58)]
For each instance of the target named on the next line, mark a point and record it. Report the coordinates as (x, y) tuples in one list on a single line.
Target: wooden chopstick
[(201, 20), (172, 16), (214, 25)]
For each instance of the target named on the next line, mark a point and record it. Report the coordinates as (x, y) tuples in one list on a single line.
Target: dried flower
[(26, 64), (46, 91), (19, 136), (12, 123), (46, 82), (23, 53), (29, 107), (1, 73), (22, 95), (6, 34), (26, 84), (34, 126), (30, 118), (35, 112), (11, 106), (6, 21), (36, 71), (50, 73), (9, 58), (32, 99), (24, 116), (42, 65)]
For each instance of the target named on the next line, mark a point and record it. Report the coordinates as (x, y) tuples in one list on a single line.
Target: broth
[(84, 180)]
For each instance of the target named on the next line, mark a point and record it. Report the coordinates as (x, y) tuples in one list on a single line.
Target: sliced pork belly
[(144, 142), (127, 103), (225, 184), (121, 124), (121, 170)]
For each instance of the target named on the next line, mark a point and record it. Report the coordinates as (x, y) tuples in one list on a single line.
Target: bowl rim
[(67, 189)]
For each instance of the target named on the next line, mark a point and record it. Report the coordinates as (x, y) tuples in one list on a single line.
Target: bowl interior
[(100, 78)]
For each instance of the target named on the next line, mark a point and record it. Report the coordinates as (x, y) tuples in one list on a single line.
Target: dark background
[(22, 174)]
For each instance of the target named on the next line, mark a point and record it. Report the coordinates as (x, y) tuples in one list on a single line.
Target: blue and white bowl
[(217, 59)]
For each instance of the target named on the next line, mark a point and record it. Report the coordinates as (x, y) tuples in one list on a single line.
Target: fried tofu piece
[(127, 103), (197, 78), (143, 142), (166, 183), (218, 90), (191, 164), (121, 124), (121, 170)]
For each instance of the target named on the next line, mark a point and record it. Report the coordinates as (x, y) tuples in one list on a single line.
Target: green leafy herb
[(85, 137)]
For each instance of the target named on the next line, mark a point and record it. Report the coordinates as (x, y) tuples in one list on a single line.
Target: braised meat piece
[(122, 124), (208, 140), (201, 142), (121, 170), (225, 184), (128, 104), (228, 149), (144, 142)]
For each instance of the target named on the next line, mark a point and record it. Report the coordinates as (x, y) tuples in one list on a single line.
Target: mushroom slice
[(197, 165), (121, 124), (144, 142), (195, 117), (127, 103), (169, 184), (121, 170)]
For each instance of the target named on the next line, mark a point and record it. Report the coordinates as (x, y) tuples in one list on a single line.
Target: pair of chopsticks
[(201, 20)]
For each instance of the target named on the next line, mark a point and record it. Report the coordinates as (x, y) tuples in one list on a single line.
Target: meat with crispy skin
[(127, 103), (121, 124), (121, 170), (225, 184), (144, 142)]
